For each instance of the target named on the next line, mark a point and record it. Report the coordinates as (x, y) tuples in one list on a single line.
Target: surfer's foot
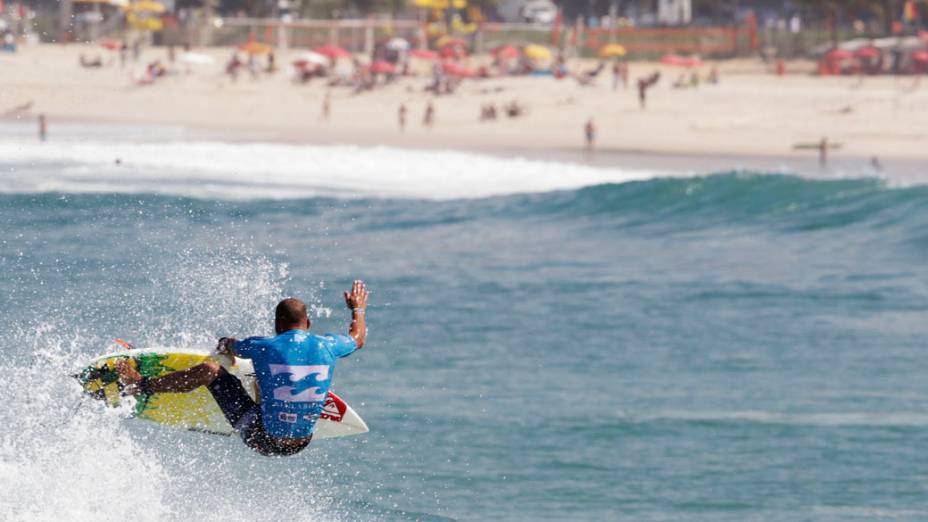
[(128, 376)]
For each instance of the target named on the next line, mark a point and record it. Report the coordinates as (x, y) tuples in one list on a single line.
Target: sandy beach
[(749, 113)]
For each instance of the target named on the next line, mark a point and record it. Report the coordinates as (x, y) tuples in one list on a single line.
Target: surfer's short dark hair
[(290, 311)]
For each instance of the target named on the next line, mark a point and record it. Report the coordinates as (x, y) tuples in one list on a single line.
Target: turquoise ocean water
[(547, 341)]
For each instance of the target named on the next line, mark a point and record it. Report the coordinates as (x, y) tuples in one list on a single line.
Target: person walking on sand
[(326, 106), (643, 85), (293, 371), (402, 117), (429, 118), (616, 75)]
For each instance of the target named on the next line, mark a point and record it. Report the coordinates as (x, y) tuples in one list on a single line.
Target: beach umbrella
[(196, 59), (383, 67), (118, 3), (839, 54), (449, 40), (505, 52), (920, 56), (255, 48), (611, 51), (537, 52), (308, 57), (867, 52), (398, 44), (146, 6), (456, 69), (423, 54), (110, 44), (681, 61), (332, 51)]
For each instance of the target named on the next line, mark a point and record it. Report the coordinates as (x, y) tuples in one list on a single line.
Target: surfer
[(293, 371)]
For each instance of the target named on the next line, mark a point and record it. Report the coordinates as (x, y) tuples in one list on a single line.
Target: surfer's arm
[(356, 300)]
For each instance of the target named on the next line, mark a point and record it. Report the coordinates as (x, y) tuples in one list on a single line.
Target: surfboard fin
[(125, 344)]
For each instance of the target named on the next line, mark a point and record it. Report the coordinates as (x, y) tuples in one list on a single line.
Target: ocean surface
[(548, 341)]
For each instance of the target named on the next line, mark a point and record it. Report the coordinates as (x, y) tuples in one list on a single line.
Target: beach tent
[(537, 52), (867, 52), (611, 51), (332, 51)]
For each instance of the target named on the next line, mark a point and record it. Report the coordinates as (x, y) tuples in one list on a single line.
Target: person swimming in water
[(293, 371)]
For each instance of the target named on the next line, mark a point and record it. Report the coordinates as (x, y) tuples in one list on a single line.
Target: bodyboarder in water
[(293, 371)]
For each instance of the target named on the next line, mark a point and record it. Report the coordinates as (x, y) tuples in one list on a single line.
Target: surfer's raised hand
[(356, 299)]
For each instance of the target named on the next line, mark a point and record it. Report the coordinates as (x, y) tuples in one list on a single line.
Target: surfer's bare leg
[(181, 381)]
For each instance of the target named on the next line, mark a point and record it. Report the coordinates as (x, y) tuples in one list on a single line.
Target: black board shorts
[(244, 414)]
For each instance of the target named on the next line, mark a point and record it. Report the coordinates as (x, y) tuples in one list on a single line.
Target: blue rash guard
[(294, 372)]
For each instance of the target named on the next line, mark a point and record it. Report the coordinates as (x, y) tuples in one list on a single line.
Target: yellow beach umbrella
[(254, 48), (611, 51), (441, 4), (537, 52), (146, 6)]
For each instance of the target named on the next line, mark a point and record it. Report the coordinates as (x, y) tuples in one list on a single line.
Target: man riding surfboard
[(293, 372)]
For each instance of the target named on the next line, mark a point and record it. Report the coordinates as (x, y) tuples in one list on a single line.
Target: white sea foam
[(212, 169), (64, 457)]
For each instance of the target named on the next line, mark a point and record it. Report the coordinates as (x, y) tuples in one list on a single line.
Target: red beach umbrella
[(383, 67), (423, 54), (839, 54), (332, 51), (920, 56), (867, 52), (456, 69), (110, 44), (681, 61), (505, 52)]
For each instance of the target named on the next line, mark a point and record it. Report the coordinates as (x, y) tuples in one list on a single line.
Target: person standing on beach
[(590, 131), (823, 152), (429, 118), (616, 75), (43, 127), (326, 106), (402, 117)]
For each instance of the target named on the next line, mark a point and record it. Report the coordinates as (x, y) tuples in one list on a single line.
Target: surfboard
[(196, 410)]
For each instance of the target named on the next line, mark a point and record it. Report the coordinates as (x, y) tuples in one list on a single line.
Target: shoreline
[(751, 119), (902, 169)]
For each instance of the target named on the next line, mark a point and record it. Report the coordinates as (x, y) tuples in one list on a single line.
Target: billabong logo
[(300, 377), (287, 417)]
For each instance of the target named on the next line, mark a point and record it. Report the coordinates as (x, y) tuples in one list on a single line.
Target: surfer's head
[(290, 315)]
